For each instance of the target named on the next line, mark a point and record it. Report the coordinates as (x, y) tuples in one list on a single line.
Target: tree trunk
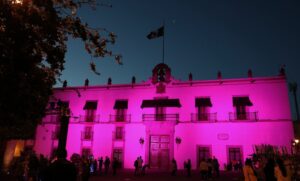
[(64, 124)]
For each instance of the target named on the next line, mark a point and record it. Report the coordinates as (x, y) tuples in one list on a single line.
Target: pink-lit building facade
[(164, 118)]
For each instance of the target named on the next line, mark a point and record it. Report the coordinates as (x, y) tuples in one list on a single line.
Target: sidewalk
[(156, 175)]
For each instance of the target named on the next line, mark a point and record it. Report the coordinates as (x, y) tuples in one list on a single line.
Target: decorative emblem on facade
[(161, 74)]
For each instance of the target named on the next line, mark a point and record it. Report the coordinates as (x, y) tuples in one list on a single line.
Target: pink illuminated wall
[(269, 96)]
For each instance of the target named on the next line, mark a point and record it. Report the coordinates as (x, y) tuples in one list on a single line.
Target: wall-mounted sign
[(223, 136)]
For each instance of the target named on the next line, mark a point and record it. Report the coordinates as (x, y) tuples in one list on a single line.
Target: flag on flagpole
[(157, 33)]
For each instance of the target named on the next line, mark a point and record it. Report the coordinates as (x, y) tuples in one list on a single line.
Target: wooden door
[(159, 151)]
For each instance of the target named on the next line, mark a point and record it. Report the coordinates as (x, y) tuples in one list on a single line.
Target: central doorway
[(159, 151)]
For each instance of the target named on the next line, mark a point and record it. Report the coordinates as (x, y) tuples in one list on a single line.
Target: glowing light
[(17, 1), (296, 141)]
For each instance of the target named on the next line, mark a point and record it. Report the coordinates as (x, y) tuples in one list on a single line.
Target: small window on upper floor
[(203, 105), (121, 107), (241, 107), (90, 108)]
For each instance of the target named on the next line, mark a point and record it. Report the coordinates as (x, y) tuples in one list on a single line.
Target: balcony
[(126, 118), (204, 117), (89, 119), (161, 117), (86, 136), (248, 116)]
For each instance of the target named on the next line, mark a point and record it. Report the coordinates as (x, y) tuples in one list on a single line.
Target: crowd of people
[(270, 168), (30, 167)]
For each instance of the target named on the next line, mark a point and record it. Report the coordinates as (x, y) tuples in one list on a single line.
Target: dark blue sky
[(201, 36)]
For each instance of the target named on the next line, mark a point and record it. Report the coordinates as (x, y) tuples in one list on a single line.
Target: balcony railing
[(87, 136), (126, 118), (249, 116), (161, 117), (204, 117), (89, 119)]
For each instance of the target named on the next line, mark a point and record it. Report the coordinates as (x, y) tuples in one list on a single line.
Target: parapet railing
[(203, 117), (249, 116)]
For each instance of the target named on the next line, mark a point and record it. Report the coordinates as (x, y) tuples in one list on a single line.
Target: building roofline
[(175, 82)]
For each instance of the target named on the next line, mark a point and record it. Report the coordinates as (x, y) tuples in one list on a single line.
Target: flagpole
[(163, 53)]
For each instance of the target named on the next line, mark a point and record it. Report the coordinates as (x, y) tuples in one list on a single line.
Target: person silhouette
[(61, 169)]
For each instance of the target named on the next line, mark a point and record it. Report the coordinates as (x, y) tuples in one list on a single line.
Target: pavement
[(158, 175)]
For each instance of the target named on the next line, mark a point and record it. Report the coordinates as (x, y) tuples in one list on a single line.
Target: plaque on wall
[(223, 136)]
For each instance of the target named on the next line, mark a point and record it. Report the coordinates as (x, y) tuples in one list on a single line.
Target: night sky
[(201, 37)]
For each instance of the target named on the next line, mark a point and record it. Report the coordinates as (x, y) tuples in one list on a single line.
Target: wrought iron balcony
[(249, 116), (126, 118), (204, 117), (89, 119), (161, 117), (88, 136)]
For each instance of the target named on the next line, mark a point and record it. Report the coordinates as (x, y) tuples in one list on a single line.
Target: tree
[(33, 37)]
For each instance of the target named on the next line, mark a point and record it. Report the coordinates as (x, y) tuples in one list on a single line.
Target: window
[(90, 110), (240, 104), (121, 108), (55, 134), (234, 154), (119, 133), (203, 105), (203, 152), (87, 134)]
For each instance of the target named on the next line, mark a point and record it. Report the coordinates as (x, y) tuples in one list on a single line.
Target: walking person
[(100, 161), (174, 167), (216, 166), (115, 165), (140, 164), (269, 170), (136, 166), (106, 165), (203, 169), (188, 167), (248, 171), (280, 171)]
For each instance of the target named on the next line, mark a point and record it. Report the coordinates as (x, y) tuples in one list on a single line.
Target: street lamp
[(294, 145)]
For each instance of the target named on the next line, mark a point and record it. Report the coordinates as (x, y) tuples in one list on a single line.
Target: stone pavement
[(156, 175)]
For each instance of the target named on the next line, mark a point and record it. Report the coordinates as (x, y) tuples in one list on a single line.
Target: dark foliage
[(33, 37)]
